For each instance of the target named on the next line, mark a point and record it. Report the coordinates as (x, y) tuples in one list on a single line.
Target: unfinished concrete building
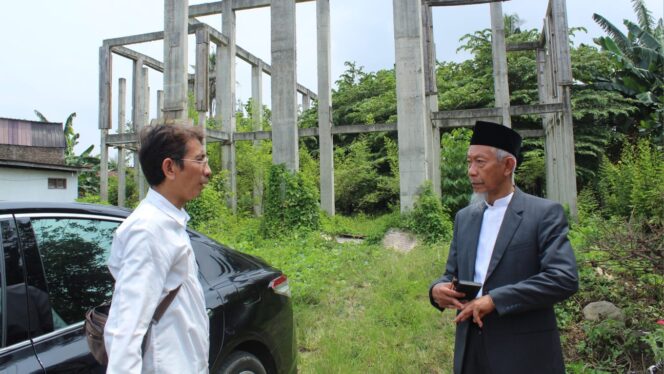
[(419, 119)]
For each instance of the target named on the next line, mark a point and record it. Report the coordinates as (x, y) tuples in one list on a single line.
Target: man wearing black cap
[(516, 246)]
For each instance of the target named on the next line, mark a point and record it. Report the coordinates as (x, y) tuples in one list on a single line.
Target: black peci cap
[(498, 136)]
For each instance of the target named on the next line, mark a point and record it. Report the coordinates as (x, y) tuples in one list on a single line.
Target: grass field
[(359, 308)]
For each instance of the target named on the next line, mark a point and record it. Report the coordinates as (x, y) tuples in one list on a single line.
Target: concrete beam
[(133, 55), (244, 55), (216, 7), (458, 2), (517, 110), (134, 39), (524, 46)]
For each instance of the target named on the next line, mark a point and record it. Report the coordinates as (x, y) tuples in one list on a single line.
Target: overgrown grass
[(359, 308)]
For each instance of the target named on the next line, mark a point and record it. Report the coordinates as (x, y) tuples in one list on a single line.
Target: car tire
[(241, 362)]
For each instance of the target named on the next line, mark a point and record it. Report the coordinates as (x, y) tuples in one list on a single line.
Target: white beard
[(478, 199)]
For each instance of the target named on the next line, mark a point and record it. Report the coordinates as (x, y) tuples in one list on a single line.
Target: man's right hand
[(446, 297)]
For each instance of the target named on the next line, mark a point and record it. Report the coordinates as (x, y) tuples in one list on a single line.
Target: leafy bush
[(455, 185), (366, 180), (619, 261), (290, 203), (634, 185), (210, 204), (429, 219)]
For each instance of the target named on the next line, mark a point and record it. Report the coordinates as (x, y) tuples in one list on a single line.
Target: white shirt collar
[(500, 203), (158, 200)]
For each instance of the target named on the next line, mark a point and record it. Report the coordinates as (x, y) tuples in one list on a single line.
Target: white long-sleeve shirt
[(491, 222), (151, 255)]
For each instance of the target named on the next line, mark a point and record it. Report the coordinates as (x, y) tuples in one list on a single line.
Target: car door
[(65, 259), (16, 352)]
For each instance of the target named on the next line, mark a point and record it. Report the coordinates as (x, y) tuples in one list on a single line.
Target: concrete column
[(326, 142), (257, 125), (499, 51), (144, 85), (122, 121), (137, 119), (146, 95), (306, 101), (176, 18), (226, 97), (411, 100), (431, 91), (544, 88), (201, 80), (105, 76), (160, 104), (564, 82), (105, 99), (284, 95), (103, 167)]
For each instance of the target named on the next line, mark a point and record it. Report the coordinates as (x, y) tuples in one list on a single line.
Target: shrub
[(634, 185), (429, 219), (210, 204), (455, 185), (290, 203), (366, 175)]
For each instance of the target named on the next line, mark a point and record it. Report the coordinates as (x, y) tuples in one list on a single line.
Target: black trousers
[(475, 359)]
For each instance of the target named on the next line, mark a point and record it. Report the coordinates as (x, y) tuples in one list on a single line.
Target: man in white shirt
[(516, 246), (151, 255)]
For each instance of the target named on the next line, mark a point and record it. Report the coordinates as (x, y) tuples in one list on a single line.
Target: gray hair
[(501, 154)]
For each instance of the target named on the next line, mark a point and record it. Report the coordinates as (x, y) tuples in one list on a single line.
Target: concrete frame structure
[(419, 120)]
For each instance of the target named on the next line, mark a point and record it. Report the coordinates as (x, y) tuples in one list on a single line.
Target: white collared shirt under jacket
[(150, 256), (491, 222)]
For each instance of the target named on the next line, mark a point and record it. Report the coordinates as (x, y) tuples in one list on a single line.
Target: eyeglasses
[(204, 161)]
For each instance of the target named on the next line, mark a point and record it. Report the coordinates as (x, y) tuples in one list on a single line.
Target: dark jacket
[(532, 268)]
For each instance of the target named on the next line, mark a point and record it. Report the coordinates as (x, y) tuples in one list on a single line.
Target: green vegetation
[(291, 203), (364, 309), (358, 307)]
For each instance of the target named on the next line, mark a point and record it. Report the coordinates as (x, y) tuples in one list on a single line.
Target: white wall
[(32, 185)]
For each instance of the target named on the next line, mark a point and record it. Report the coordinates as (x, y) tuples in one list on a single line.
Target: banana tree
[(639, 59)]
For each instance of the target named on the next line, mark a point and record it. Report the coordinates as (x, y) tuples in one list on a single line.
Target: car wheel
[(241, 362)]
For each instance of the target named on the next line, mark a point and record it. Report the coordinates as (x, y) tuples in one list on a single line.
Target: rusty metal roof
[(31, 133)]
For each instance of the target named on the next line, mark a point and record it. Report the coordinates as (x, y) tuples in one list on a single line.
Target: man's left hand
[(476, 309)]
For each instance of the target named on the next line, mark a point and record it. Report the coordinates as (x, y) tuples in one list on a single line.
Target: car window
[(16, 295), (73, 253)]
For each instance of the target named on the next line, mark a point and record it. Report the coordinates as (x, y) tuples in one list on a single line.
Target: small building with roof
[(32, 162)]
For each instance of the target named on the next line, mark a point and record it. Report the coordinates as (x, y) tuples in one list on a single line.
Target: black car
[(53, 268)]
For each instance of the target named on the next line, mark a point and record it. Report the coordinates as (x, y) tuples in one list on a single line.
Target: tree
[(88, 181), (639, 73)]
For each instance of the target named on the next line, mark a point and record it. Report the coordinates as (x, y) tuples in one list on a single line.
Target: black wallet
[(470, 289)]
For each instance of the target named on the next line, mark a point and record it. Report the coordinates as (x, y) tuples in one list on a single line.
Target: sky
[(49, 50)]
